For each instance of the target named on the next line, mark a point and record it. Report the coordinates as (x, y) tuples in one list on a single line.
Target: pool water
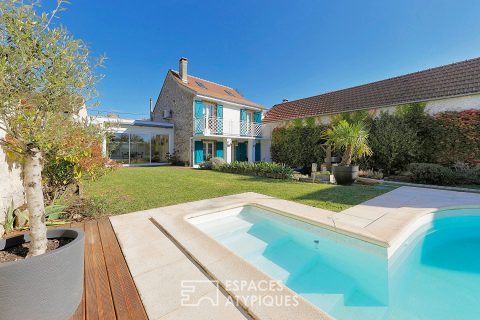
[(434, 275)]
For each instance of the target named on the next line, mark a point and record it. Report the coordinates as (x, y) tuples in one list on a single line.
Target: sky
[(268, 50)]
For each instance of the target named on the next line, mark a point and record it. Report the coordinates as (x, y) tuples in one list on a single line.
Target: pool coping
[(225, 266), (386, 221)]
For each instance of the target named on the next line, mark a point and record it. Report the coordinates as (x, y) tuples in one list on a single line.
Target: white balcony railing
[(226, 127)]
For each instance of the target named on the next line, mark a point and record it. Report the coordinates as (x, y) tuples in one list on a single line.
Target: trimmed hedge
[(432, 173), (261, 169), (298, 146)]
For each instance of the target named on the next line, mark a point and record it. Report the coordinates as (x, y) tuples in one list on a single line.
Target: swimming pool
[(434, 275)]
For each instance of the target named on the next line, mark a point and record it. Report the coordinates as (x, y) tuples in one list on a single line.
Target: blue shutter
[(198, 152), (258, 117), (258, 121), (219, 149), (243, 122), (199, 122), (219, 119), (258, 153)]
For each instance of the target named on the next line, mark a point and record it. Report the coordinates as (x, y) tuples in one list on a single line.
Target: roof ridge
[(218, 84), (380, 81)]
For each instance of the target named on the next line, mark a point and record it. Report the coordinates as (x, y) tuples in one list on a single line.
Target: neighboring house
[(211, 120), (137, 142), (452, 87)]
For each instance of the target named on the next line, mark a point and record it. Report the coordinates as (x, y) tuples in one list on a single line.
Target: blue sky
[(268, 50)]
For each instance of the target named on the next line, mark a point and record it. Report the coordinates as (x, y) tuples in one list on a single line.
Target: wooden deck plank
[(98, 299), (128, 304), (80, 312)]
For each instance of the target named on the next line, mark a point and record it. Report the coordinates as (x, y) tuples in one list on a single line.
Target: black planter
[(48, 286), (345, 175)]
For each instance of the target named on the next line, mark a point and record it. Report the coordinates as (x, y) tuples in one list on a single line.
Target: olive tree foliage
[(46, 77)]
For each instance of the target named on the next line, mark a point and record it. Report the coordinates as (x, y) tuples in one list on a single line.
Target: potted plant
[(352, 139), (45, 78)]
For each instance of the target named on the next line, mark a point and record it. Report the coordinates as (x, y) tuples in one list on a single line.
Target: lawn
[(132, 189)]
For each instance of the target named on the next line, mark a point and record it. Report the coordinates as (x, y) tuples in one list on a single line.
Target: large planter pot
[(345, 175), (48, 286)]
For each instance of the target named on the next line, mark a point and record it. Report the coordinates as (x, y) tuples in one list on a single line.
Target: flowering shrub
[(457, 136)]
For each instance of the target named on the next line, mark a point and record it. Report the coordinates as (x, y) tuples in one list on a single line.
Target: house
[(137, 142), (452, 87), (210, 119)]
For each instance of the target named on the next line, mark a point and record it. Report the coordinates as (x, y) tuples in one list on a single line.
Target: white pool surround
[(383, 222)]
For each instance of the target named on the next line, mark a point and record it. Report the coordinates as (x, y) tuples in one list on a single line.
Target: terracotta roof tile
[(214, 90), (461, 78)]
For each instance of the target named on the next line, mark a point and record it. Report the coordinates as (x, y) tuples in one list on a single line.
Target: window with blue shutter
[(219, 119), (258, 117), (198, 153), (219, 149), (258, 120), (243, 122), (199, 122)]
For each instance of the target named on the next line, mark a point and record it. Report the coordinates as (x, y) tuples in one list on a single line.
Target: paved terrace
[(162, 248)]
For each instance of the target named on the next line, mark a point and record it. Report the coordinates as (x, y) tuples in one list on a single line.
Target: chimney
[(284, 100), (151, 111), (182, 69)]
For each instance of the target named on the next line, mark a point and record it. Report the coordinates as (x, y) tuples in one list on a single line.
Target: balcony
[(226, 127)]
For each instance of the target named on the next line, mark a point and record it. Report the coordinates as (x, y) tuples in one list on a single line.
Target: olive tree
[(46, 77)]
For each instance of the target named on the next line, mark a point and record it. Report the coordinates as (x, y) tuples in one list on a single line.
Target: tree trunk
[(35, 204), (347, 156)]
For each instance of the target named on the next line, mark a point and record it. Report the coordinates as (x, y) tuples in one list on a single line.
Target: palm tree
[(350, 137)]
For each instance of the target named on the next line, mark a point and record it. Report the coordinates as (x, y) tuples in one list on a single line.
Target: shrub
[(431, 173), (261, 169), (175, 160), (465, 174), (216, 162), (457, 137), (298, 146), (206, 165), (394, 143)]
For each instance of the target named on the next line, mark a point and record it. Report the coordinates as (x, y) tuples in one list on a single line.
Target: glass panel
[(159, 148), (207, 150), (117, 147), (139, 148)]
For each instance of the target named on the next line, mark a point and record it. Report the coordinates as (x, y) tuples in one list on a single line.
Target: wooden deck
[(109, 290)]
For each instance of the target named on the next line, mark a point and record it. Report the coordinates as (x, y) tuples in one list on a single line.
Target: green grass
[(132, 189)]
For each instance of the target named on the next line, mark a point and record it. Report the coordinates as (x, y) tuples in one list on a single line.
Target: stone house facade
[(210, 119)]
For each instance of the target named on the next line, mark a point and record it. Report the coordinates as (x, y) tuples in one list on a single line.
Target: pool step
[(251, 241), (229, 225), (325, 286)]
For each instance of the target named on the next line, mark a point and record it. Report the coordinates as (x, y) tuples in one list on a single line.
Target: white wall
[(231, 113), (454, 104)]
